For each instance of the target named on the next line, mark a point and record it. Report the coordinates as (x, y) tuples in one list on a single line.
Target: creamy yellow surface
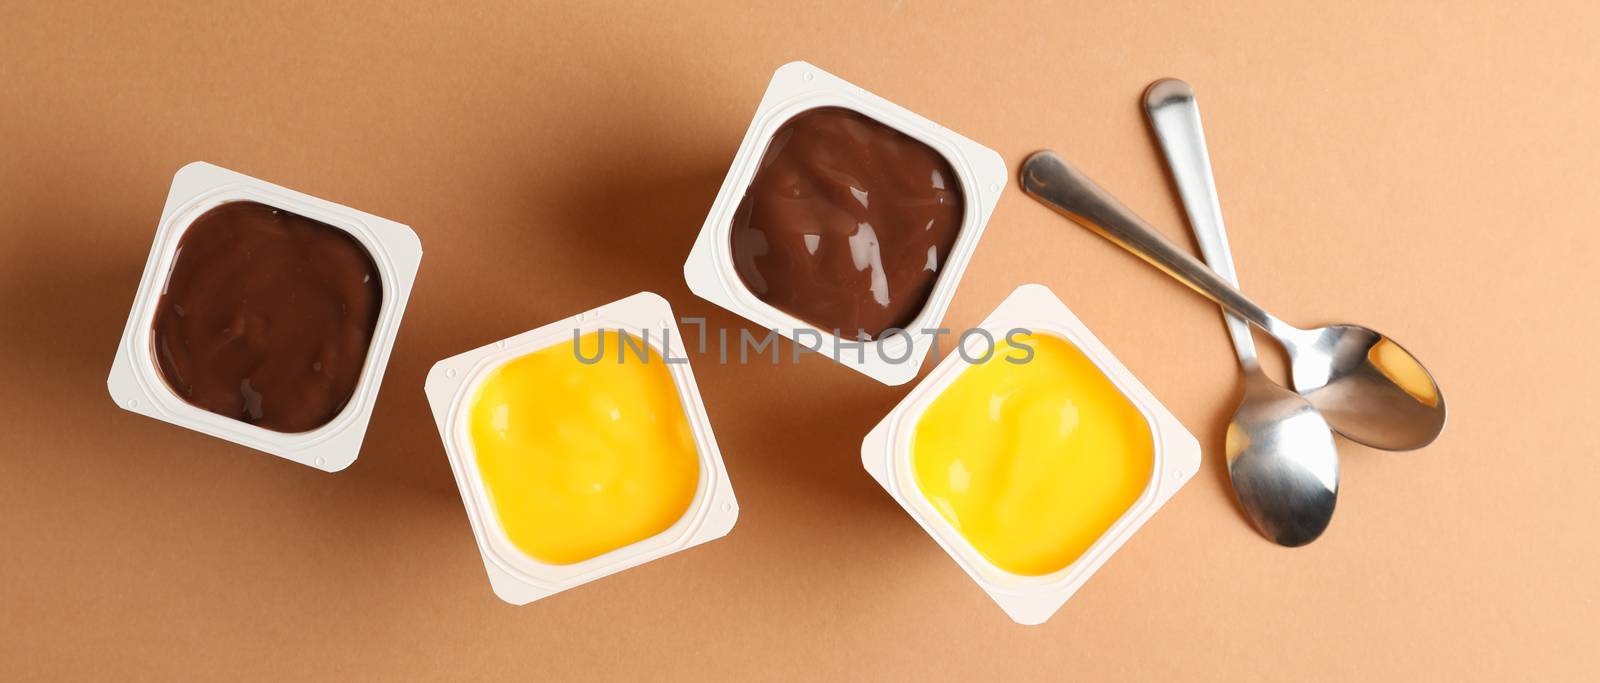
[(1032, 463), (583, 459)]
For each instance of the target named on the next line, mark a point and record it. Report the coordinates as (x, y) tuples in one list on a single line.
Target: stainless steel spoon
[(1369, 388), (1281, 457)]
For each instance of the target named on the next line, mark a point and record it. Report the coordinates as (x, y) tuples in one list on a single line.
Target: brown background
[(1427, 169)]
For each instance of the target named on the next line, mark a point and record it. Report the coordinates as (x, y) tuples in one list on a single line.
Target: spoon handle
[(1050, 179), (1175, 117)]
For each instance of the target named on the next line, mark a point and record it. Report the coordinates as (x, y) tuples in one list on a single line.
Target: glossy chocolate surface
[(266, 317), (847, 223)]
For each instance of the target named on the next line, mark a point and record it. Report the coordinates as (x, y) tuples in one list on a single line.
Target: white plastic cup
[(516, 577), (797, 87), (136, 383), (886, 454)]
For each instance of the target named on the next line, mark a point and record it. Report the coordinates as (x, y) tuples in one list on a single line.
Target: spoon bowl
[(1282, 462), (1371, 389)]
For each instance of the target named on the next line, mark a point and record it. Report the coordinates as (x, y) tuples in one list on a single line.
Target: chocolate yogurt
[(266, 317), (847, 223)]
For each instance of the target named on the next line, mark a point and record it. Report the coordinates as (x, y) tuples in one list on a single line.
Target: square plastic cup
[(798, 87), (136, 383), (886, 453), (515, 576)]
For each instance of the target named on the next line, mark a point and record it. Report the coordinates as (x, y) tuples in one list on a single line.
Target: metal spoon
[(1281, 457), (1369, 388)]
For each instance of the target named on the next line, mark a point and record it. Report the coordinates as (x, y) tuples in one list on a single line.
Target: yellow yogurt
[(1032, 462), (578, 459)]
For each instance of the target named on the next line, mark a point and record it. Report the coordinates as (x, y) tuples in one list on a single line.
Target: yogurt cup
[(137, 383), (797, 88), (886, 453), (453, 386)]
